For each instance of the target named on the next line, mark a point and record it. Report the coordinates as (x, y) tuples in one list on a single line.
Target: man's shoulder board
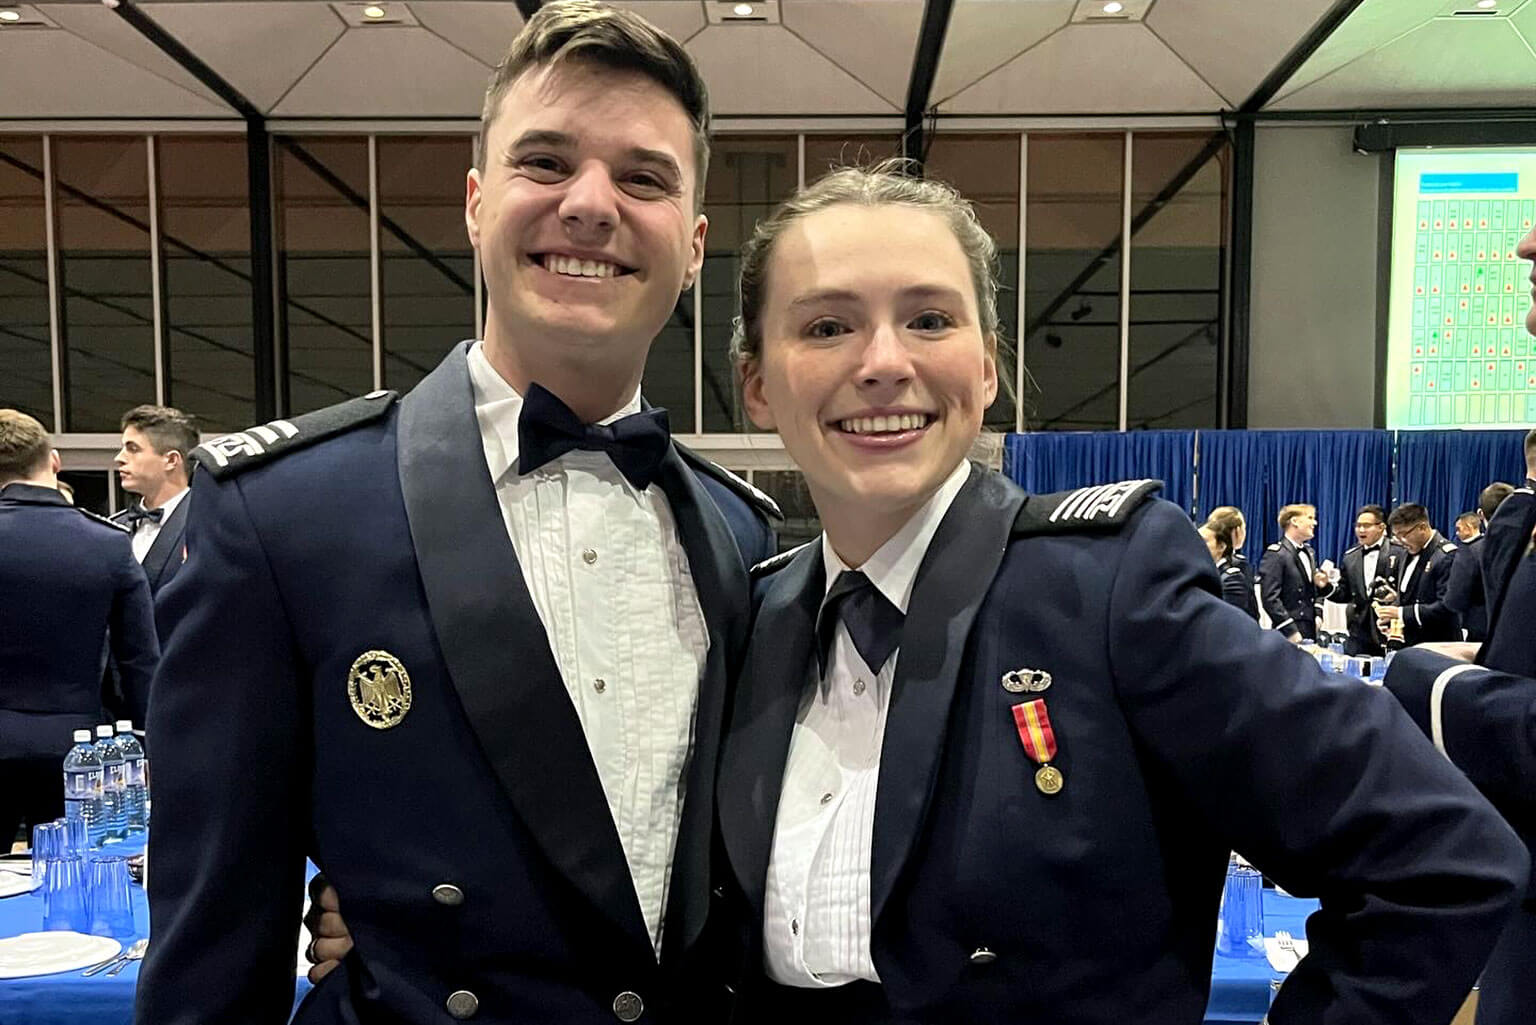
[(104, 521), (1272, 548), (1353, 550), (749, 494), (777, 562), (1448, 547), (1100, 509), (1231, 570), (235, 453)]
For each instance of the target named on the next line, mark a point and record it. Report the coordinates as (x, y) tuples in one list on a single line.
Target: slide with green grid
[(1458, 354)]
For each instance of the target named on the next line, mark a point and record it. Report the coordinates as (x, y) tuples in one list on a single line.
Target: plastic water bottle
[(135, 777), (114, 819), (82, 786)]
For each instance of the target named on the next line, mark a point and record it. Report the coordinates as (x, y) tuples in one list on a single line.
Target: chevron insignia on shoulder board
[(1100, 503), (253, 441), (777, 562)]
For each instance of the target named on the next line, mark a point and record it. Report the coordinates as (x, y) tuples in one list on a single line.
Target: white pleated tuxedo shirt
[(145, 532), (610, 580), (816, 913)]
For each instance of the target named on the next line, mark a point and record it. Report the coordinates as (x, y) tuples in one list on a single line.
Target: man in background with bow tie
[(1290, 581), (1376, 557), (153, 466), (469, 650)]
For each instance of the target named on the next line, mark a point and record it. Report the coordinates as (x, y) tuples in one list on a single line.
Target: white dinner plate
[(44, 953), (12, 883)]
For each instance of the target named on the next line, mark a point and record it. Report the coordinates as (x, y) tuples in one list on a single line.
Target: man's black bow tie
[(548, 430), (137, 514)]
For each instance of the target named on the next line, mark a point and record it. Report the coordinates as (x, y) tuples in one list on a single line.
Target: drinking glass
[(110, 904), (64, 898)]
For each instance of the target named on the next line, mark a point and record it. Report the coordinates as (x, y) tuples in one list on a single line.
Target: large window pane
[(787, 488), (824, 153), (748, 176), (324, 310), (92, 488), (1177, 247), (25, 347), (428, 265), (205, 247), (1071, 343), (105, 278), (985, 168)]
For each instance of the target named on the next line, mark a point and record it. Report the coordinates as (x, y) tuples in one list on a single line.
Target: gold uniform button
[(628, 1006), (589, 556), (463, 1004), (448, 895), (981, 955)]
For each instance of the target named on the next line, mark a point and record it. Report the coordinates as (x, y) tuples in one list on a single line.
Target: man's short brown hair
[(1492, 497), (594, 33), (24, 445), (167, 428), (1294, 512)]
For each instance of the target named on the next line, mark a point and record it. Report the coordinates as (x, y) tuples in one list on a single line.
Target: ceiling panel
[(1440, 64), (843, 30), (1089, 69), (680, 19), (986, 34), (259, 48), (764, 69), (403, 72), (52, 73), (1234, 45), (1372, 25), (482, 30), (103, 27)]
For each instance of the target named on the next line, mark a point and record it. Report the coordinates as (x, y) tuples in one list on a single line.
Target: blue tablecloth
[(68, 998), (1239, 988)]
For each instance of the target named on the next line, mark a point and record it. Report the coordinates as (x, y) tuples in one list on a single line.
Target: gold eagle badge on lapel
[(380, 689)]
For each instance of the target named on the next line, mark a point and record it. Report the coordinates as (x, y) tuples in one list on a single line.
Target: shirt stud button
[(599, 684), (859, 687), (826, 798), (794, 926), (589, 556)]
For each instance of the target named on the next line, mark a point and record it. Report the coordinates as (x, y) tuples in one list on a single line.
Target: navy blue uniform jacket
[(1237, 585), (68, 585), (168, 551), (1288, 591), (1426, 616), (388, 536), (1484, 718), (1184, 732), (1506, 539), (1465, 593)]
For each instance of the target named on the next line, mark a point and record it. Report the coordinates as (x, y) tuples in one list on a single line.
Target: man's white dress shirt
[(610, 580), (816, 922), (145, 532)]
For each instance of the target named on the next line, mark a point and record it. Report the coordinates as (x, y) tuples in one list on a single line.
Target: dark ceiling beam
[(529, 7), (925, 66), (1299, 55), (173, 48)]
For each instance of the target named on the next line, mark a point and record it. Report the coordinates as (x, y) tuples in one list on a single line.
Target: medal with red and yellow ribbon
[(1039, 742)]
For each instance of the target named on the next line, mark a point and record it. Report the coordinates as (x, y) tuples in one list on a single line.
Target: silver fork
[(1284, 941)]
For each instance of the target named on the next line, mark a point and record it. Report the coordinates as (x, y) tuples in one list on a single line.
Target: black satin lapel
[(720, 578), (780, 662), (951, 584), (495, 647), (166, 542)]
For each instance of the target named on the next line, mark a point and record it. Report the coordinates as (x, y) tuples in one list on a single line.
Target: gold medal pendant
[(1049, 780), (380, 689)]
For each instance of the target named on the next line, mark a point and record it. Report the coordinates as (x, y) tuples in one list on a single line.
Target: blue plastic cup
[(1240, 923), (111, 907), (65, 904), (77, 837), (47, 845)]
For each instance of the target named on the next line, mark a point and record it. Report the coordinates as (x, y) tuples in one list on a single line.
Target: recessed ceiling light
[(1113, 7), (1486, 4), (10, 15), (373, 12), (743, 10)]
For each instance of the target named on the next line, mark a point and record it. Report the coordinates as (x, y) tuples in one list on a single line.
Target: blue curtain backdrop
[(1445, 470), (1060, 460), (1260, 471)]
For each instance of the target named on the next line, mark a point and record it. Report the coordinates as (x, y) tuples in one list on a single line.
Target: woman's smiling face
[(874, 368)]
